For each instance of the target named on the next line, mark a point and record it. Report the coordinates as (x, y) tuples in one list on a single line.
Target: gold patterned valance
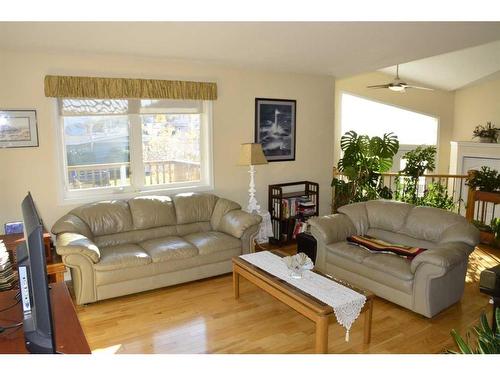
[(127, 88)]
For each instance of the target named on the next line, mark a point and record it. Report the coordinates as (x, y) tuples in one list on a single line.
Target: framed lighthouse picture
[(275, 128)]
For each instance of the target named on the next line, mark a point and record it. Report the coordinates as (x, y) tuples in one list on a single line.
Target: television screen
[(33, 284)]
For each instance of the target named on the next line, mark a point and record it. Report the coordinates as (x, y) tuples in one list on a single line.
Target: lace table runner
[(346, 303)]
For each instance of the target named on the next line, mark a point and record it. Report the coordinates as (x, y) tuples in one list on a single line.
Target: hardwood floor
[(203, 317)]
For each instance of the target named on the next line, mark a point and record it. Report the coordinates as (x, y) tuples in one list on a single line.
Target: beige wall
[(35, 169), (436, 103), (476, 105)]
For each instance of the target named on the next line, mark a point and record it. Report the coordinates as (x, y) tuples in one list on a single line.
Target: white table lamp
[(251, 154)]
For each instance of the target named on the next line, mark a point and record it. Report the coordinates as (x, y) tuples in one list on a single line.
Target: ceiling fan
[(398, 85)]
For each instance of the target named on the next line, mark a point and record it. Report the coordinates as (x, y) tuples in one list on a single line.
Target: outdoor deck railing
[(118, 174)]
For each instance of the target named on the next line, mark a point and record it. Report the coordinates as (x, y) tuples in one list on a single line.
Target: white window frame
[(403, 148), (136, 187)]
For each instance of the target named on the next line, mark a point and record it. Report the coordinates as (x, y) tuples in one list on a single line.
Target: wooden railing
[(118, 174), (482, 209), (454, 184), (98, 175), (164, 172)]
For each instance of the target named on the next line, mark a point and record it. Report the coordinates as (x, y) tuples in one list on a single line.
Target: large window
[(134, 145), (374, 119)]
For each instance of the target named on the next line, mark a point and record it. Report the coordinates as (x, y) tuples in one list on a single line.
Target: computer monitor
[(33, 284)]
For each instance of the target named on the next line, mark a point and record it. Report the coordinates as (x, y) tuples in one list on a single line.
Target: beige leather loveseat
[(120, 247), (429, 283)]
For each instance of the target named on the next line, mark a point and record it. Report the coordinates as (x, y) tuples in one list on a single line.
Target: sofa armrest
[(236, 222), (75, 243), (445, 255), (332, 228)]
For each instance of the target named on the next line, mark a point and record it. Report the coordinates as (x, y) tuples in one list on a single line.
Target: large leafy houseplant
[(486, 341), (363, 161), (418, 161)]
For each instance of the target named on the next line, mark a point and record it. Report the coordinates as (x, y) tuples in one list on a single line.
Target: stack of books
[(7, 276), (293, 207)]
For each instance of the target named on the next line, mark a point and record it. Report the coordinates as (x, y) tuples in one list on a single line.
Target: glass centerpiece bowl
[(297, 264)]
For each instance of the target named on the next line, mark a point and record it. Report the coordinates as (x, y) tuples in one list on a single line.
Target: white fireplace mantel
[(487, 154)]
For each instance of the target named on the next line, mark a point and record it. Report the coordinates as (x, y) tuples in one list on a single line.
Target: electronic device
[(306, 244), (489, 281), (33, 284)]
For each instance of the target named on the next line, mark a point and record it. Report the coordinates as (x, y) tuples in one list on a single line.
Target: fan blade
[(379, 86), (418, 87)]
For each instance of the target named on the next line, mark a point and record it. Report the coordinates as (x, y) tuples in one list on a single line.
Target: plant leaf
[(464, 348)]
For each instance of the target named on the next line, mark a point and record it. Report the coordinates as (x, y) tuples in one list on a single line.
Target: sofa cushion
[(122, 256), (387, 215), (152, 212), (185, 229), (169, 248), (222, 207), (145, 273), (135, 236), (211, 242), (358, 215), (369, 272), (349, 251), (429, 223), (391, 264), (376, 245), (192, 208), (105, 217)]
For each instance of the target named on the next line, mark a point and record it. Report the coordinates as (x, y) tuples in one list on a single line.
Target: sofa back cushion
[(222, 207), (105, 217), (193, 208), (430, 223), (152, 212), (135, 236), (356, 212), (70, 223), (387, 215)]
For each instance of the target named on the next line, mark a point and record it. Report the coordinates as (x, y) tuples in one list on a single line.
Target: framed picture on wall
[(18, 128), (275, 128)]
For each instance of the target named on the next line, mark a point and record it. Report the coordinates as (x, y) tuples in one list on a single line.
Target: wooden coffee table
[(312, 308)]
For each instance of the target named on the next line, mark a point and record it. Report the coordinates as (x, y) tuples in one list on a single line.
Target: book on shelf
[(291, 207), (300, 227)]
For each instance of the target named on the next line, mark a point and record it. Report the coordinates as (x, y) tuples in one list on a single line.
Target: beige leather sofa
[(120, 247), (429, 283)]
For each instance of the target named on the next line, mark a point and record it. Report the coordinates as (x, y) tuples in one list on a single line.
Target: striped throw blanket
[(375, 245)]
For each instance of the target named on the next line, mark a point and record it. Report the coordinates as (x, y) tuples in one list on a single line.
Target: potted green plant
[(363, 162), (486, 341), (486, 133), (486, 179)]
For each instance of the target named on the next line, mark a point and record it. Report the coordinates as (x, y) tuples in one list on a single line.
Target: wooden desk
[(55, 266), (70, 338)]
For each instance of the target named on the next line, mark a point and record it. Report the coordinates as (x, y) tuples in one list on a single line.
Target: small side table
[(55, 266)]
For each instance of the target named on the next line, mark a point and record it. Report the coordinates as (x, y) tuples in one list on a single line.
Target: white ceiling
[(453, 70), (335, 48)]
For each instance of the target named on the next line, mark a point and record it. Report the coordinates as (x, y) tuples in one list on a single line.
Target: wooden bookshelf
[(283, 216)]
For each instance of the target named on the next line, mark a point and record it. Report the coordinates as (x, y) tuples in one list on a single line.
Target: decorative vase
[(486, 140)]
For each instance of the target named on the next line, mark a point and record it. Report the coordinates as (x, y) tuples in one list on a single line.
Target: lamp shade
[(252, 154)]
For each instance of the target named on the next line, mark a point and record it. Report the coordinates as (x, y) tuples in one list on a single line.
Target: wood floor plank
[(204, 317)]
